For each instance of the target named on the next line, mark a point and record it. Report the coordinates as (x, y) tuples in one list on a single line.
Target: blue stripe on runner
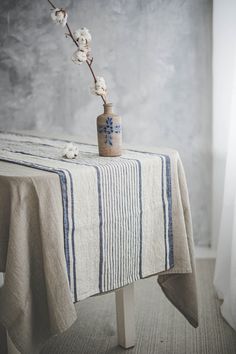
[(73, 238), (141, 220), (65, 219), (169, 198), (164, 206), (100, 228)]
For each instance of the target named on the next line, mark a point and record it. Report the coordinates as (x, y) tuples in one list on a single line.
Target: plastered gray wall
[(156, 58)]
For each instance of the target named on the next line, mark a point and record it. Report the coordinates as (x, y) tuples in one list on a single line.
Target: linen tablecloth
[(70, 229)]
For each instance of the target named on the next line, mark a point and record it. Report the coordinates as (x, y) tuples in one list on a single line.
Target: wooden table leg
[(125, 316)]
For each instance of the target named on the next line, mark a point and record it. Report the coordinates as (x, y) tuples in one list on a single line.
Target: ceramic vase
[(109, 132)]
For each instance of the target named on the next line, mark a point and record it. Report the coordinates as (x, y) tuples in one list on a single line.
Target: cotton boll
[(85, 33), (70, 155), (82, 41), (99, 87), (75, 150), (84, 47), (99, 90), (53, 14), (59, 17), (79, 57), (101, 81), (68, 147), (82, 32), (70, 151)]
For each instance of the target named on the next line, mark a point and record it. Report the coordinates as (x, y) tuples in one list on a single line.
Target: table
[(73, 229)]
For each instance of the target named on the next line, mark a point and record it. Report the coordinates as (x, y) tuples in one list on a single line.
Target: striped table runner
[(117, 212)]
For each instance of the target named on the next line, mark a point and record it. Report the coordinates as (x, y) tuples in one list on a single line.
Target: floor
[(161, 329)]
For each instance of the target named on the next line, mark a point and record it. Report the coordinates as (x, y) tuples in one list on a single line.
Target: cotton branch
[(89, 62), (54, 7)]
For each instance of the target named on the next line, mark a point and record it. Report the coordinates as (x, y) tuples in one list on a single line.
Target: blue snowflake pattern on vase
[(109, 128)]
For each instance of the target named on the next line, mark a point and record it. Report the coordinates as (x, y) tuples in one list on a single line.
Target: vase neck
[(107, 108)]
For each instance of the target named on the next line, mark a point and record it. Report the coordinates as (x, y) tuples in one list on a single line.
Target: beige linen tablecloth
[(36, 300)]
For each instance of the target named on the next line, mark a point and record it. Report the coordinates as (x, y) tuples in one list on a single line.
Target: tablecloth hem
[(191, 317)]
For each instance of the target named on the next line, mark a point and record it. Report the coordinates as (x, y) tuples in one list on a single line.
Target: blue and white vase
[(109, 132)]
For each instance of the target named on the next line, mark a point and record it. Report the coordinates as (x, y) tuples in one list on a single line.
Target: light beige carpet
[(160, 327)]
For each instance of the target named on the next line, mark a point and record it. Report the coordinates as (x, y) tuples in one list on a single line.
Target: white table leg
[(11, 349), (125, 316)]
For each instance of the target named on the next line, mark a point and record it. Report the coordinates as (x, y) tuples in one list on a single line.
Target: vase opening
[(107, 108)]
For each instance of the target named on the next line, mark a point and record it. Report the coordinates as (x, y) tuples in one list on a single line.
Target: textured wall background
[(156, 58)]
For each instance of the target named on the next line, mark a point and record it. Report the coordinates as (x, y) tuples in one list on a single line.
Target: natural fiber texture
[(76, 228), (160, 328)]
